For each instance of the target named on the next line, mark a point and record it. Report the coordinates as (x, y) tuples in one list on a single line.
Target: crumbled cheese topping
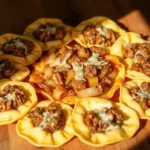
[(60, 63), (106, 118), (51, 30), (143, 94), (9, 97), (135, 56), (94, 60), (78, 68), (47, 117), (102, 31)]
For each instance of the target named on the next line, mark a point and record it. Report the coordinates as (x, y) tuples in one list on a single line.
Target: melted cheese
[(18, 43), (47, 117), (106, 118), (60, 63), (51, 30), (143, 94), (78, 68), (102, 31), (9, 97), (135, 56), (95, 61)]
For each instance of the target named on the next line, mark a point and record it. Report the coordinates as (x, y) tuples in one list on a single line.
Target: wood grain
[(9, 140)]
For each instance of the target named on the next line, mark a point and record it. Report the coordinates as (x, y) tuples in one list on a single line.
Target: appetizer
[(136, 95), (77, 71), (47, 124), (12, 70), (135, 53), (97, 31), (49, 33), (19, 48), (16, 99), (98, 121)]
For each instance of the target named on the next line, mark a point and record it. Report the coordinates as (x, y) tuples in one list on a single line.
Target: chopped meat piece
[(100, 50), (100, 88), (6, 69), (106, 81), (146, 70), (105, 85), (107, 69), (58, 78), (129, 50), (90, 71), (63, 53), (140, 59), (134, 90), (100, 40), (145, 86), (128, 53), (137, 67), (44, 36), (71, 92), (89, 33), (78, 84), (75, 59), (81, 51), (60, 33)]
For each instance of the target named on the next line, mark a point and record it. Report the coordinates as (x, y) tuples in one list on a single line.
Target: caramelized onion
[(93, 91)]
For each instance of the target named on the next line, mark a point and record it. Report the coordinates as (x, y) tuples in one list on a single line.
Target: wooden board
[(9, 140)]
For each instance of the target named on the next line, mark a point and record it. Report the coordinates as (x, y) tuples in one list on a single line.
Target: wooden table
[(9, 140)]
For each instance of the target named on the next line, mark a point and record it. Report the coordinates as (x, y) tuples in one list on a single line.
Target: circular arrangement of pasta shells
[(34, 71)]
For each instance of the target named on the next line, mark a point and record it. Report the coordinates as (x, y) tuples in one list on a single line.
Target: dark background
[(15, 15)]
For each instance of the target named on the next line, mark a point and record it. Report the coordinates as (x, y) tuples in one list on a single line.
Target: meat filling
[(50, 118), (141, 95), (141, 56), (72, 72), (104, 120), (17, 47), (6, 69), (11, 97), (97, 34), (49, 32)]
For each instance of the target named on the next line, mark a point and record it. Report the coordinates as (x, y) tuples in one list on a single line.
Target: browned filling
[(50, 118), (49, 32), (17, 47), (78, 70), (141, 94), (6, 69), (11, 97), (141, 56), (103, 121), (97, 34)]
